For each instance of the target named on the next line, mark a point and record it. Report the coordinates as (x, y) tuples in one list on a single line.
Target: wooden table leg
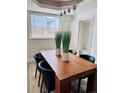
[(92, 83), (62, 86)]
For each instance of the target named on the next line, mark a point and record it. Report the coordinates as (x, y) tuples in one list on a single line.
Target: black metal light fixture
[(74, 7), (64, 11), (61, 14), (68, 10)]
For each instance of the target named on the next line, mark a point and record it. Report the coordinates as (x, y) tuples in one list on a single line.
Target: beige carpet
[(33, 82)]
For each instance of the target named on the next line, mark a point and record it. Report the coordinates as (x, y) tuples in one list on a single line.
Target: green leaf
[(58, 37), (66, 37)]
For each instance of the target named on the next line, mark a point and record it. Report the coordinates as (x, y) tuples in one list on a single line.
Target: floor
[(33, 82)]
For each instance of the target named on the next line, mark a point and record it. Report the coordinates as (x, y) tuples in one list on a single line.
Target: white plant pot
[(65, 57), (58, 52)]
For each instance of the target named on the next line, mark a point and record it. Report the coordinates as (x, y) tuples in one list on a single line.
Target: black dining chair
[(72, 51), (90, 59), (38, 58), (48, 76)]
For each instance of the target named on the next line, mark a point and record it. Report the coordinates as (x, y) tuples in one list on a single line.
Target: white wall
[(65, 22), (74, 35)]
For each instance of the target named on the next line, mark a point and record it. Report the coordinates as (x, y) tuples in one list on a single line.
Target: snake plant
[(58, 37), (66, 37)]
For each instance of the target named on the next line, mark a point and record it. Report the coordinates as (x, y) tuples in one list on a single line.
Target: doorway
[(85, 36)]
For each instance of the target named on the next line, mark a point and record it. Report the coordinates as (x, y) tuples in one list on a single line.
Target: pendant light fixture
[(68, 10), (74, 7), (65, 12)]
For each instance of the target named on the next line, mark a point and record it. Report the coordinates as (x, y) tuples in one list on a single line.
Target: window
[(44, 25)]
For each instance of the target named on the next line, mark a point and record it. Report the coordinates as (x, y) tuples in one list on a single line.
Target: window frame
[(29, 13)]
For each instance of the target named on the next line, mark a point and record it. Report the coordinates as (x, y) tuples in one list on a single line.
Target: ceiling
[(59, 3)]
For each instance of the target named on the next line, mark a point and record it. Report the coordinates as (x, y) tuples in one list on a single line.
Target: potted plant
[(58, 37), (66, 37)]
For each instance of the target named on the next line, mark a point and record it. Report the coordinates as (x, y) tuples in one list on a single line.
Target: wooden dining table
[(75, 68)]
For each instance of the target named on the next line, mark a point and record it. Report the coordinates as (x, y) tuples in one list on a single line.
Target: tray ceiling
[(59, 3)]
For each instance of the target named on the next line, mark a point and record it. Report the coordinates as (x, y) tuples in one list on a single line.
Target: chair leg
[(36, 72), (48, 91), (79, 83), (39, 79), (41, 85)]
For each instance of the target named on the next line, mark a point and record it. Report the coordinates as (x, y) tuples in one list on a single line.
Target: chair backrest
[(38, 57), (88, 57), (48, 76), (72, 51)]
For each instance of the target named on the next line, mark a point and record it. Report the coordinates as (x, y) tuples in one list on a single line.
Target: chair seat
[(72, 51), (87, 57), (48, 76)]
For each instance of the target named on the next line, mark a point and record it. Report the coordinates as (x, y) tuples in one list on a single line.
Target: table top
[(76, 67)]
